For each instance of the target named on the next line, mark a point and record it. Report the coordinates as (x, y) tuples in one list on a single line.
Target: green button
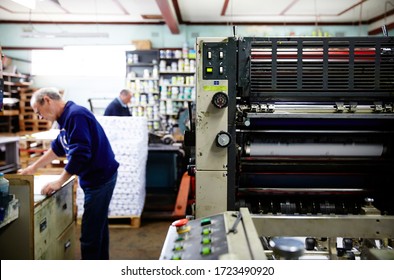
[(206, 250), (179, 238), (205, 222), (176, 257), (206, 231), (178, 247), (206, 240)]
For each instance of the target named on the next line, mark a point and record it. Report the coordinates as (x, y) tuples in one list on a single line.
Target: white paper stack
[(129, 140)]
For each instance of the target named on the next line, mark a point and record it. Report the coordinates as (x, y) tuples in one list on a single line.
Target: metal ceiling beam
[(168, 15)]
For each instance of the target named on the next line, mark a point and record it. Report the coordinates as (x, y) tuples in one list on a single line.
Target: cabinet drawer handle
[(43, 225), (67, 244)]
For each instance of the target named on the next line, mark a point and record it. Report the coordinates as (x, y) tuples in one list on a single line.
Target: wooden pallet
[(121, 222), (28, 120), (24, 106), (127, 221), (26, 160), (34, 125), (24, 101), (34, 143)]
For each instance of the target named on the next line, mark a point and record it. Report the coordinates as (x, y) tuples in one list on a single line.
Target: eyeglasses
[(38, 112)]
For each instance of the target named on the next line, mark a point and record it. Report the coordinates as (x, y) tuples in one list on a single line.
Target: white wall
[(79, 89)]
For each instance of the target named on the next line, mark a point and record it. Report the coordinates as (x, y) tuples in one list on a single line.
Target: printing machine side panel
[(211, 192), (210, 120), (214, 131)]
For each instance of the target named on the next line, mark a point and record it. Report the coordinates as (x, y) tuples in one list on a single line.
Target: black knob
[(220, 100), (341, 252), (223, 139), (347, 243), (310, 243), (191, 170), (350, 256)]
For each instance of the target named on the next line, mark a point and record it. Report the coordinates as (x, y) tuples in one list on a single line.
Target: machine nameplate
[(215, 88)]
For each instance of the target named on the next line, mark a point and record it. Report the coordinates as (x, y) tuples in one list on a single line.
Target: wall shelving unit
[(163, 82), (142, 77)]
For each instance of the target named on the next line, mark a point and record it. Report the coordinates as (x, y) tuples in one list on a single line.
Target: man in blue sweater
[(118, 106), (83, 141)]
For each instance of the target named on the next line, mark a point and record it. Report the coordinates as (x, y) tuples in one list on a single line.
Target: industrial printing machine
[(299, 131)]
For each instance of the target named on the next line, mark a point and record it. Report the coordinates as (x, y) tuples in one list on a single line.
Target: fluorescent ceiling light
[(36, 34), (31, 4)]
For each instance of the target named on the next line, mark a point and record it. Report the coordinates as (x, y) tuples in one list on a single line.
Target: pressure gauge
[(223, 139), (220, 100)]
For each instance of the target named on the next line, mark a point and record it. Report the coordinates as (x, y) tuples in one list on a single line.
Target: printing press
[(300, 131)]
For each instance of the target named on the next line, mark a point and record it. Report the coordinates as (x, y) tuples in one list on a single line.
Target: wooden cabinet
[(45, 228)]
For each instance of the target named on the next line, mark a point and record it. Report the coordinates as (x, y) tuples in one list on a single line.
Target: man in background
[(118, 106)]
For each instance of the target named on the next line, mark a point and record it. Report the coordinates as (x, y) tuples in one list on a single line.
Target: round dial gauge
[(220, 100), (223, 139)]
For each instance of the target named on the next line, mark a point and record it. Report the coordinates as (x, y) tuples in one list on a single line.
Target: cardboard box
[(142, 44)]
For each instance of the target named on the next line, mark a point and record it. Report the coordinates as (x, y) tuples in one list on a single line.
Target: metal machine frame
[(300, 131)]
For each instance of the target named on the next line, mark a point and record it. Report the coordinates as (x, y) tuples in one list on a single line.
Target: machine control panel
[(228, 235), (214, 61), (196, 239)]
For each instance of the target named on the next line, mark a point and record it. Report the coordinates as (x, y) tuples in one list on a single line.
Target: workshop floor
[(143, 243)]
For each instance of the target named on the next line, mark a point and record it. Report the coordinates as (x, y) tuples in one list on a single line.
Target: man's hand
[(30, 170), (51, 187)]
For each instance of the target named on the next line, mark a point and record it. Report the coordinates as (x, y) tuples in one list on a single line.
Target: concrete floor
[(126, 243)]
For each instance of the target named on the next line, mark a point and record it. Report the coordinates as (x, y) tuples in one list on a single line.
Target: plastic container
[(4, 185)]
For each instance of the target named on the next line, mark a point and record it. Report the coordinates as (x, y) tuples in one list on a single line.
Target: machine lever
[(189, 106), (233, 229), (384, 31)]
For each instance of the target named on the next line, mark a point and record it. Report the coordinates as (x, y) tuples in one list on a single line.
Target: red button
[(180, 223)]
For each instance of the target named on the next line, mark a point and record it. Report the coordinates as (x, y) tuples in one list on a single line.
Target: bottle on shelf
[(4, 185), (155, 72), (4, 197), (185, 50)]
